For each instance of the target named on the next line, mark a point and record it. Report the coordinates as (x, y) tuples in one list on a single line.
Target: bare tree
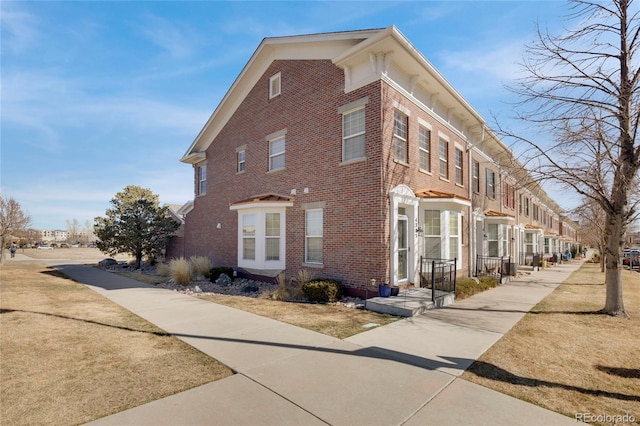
[(12, 220), (592, 226), (582, 90), (73, 230)]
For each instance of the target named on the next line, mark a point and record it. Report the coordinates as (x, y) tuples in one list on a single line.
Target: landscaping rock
[(107, 262), (224, 280)]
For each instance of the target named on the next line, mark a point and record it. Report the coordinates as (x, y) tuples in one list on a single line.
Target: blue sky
[(99, 95)]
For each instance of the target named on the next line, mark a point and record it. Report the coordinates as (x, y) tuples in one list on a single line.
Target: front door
[(403, 247)]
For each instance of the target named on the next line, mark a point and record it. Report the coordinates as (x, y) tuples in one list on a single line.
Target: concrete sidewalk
[(402, 373)]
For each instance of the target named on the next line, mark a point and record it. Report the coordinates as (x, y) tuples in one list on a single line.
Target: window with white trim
[(240, 161), (272, 236), (459, 158), (491, 183), (400, 144), (442, 234), (432, 232), (424, 138), (261, 237), (276, 153), (313, 236), (476, 176), (275, 85), (353, 140), (202, 179), (249, 237), (454, 235), (444, 159), (498, 239)]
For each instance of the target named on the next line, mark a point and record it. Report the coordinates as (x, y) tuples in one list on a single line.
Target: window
[(442, 236), (400, 145), (444, 159), (526, 206), (498, 239), (249, 237), (493, 239), (454, 236), (529, 243), (272, 236), (491, 183), (276, 153), (313, 236), (432, 245), (353, 141), (202, 179), (262, 235), (535, 211), (520, 203), (476, 176), (274, 86), (425, 149), (458, 163), (240, 159)]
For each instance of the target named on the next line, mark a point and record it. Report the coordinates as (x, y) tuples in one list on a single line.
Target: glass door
[(403, 248)]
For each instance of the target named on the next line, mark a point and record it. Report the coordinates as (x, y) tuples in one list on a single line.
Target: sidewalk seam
[(284, 398)]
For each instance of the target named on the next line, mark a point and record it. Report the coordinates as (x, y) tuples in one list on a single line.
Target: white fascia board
[(251, 205), (317, 46)]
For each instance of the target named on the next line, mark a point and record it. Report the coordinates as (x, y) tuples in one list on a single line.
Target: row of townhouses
[(349, 155)]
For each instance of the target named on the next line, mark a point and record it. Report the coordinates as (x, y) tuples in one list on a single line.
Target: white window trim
[(306, 236), (404, 138), (199, 167), (276, 77), (345, 138), (260, 262), (421, 150), (273, 155)]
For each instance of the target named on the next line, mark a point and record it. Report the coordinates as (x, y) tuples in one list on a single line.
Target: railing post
[(433, 281)]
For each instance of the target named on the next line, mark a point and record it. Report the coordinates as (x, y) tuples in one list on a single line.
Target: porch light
[(419, 230)]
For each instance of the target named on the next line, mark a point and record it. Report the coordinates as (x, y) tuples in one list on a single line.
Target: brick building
[(349, 155)]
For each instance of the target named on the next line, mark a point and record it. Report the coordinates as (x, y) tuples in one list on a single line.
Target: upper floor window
[(353, 140), (535, 212), (424, 138), (276, 153), (240, 160), (400, 145), (275, 85), (459, 166), (444, 159), (526, 206), (202, 179), (476, 176), (491, 184)]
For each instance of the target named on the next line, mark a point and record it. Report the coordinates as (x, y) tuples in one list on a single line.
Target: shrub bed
[(322, 291), (467, 286)]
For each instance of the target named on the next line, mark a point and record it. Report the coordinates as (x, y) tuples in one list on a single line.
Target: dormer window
[(274, 86)]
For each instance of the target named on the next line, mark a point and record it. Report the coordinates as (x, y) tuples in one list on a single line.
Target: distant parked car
[(44, 247), (631, 258)]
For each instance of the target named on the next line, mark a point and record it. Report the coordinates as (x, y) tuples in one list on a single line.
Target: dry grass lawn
[(69, 356), (565, 358), (330, 319)]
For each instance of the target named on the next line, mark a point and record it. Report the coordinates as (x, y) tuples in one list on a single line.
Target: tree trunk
[(138, 260), (2, 240), (614, 305)]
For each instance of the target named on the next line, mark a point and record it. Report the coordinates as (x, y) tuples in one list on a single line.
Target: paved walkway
[(404, 373)]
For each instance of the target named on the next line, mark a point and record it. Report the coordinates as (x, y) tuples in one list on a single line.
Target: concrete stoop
[(408, 303)]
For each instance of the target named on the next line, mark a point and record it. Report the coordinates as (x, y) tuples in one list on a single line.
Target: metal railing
[(493, 266), (439, 275)]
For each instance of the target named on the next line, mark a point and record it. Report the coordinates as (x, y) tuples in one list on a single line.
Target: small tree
[(12, 220), (136, 224)]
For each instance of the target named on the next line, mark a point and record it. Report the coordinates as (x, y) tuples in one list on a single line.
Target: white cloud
[(19, 28), (178, 40)]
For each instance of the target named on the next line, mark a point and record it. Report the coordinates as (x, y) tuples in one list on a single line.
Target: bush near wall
[(322, 291), (467, 286)]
